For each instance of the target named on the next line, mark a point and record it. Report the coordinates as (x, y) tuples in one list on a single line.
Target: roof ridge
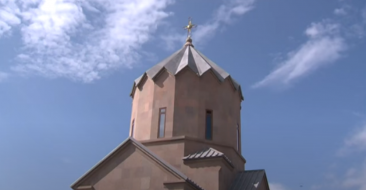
[(207, 152), (254, 170), (248, 180), (144, 149), (190, 57), (215, 150), (167, 164), (159, 159)]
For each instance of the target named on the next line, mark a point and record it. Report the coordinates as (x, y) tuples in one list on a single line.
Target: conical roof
[(188, 56)]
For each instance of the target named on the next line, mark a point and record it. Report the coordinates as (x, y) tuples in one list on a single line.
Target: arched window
[(132, 127), (209, 119), (162, 114)]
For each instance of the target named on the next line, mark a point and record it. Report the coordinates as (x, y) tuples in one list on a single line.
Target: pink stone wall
[(132, 170), (192, 146), (147, 100), (163, 97), (171, 152), (206, 173), (186, 97), (142, 110), (200, 171)]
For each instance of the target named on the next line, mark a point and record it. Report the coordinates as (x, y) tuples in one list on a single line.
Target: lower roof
[(208, 153), (249, 180), (147, 151)]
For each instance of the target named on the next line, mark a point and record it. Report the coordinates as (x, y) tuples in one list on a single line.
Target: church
[(185, 132)]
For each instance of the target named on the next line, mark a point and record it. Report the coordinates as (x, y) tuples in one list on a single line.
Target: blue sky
[(67, 68)]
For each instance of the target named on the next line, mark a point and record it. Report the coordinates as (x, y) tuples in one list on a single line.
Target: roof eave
[(136, 83), (78, 181), (132, 93), (227, 161), (241, 93), (142, 148)]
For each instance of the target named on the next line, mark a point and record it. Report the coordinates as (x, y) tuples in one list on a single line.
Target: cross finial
[(189, 27)]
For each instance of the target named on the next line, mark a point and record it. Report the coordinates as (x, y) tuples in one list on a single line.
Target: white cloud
[(276, 186), (172, 40), (355, 178), (363, 14), (51, 24), (340, 11), (223, 15), (323, 46), (355, 142), (8, 16), (66, 160), (3, 76), (358, 139), (358, 29), (81, 39), (321, 29)]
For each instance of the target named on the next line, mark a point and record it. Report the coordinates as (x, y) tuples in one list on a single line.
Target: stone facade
[(147, 160), (132, 167), (186, 98)]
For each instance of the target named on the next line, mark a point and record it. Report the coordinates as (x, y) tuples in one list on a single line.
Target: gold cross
[(189, 27)]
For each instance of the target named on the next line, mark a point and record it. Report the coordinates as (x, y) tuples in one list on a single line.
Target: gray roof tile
[(188, 56), (207, 153), (248, 180)]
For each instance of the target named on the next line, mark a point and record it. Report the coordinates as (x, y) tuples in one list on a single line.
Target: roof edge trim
[(142, 148), (227, 161)]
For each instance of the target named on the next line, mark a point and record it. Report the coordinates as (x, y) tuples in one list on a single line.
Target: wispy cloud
[(8, 16), (172, 40), (81, 39), (3, 76), (324, 46), (66, 161), (223, 15), (363, 14), (355, 178), (355, 142), (357, 22), (276, 186), (340, 11)]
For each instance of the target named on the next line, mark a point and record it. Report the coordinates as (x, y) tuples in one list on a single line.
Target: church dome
[(188, 56)]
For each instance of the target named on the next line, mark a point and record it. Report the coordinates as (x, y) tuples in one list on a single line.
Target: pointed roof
[(207, 153), (249, 180), (188, 56), (144, 149)]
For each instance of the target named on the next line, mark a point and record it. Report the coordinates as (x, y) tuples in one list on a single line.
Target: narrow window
[(162, 113), (132, 127), (208, 124), (237, 137)]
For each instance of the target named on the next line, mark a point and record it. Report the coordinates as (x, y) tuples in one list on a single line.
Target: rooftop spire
[(189, 28)]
